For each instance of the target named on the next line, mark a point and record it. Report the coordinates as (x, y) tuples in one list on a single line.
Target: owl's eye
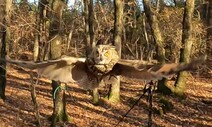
[(106, 54)]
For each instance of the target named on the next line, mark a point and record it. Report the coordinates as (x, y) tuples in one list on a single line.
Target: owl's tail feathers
[(24, 64)]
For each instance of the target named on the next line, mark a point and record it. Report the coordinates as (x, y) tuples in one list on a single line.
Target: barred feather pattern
[(102, 59), (102, 65)]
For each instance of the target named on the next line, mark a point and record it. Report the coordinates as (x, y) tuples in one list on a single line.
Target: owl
[(102, 59), (100, 65)]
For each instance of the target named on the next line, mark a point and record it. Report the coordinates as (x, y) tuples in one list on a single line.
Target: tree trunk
[(87, 30), (209, 36), (59, 100), (37, 38), (41, 39), (118, 30), (95, 96), (90, 37), (59, 114), (5, 9), (92, 43), (153, 22), (185, 52), (91, 24)]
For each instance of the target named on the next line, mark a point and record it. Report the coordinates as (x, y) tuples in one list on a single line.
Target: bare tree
[(87, 33), (41, 45), (5, 14), (59, 97), (118, 30), (90, 37), (209, 34), (185, 52), (152, 19), (159, 40)]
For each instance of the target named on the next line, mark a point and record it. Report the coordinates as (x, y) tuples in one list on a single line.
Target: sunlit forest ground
[(17, 111)]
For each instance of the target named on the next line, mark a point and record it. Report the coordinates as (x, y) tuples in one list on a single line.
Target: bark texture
[(209, 36), (118, 30), (5, 9), (90, 37), (59, 113), (185, 52), (154, 25), (87, 30)]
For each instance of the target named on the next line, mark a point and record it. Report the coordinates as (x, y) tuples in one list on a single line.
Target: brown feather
[(78, 70), (153, 72)]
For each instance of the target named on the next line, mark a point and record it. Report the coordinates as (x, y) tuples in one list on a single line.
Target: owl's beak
[(100, 62)]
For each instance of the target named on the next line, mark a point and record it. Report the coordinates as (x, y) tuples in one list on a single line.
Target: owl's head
[(105, 54)]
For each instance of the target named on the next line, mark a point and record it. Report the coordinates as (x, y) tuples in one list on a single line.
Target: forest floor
[(195, 110)]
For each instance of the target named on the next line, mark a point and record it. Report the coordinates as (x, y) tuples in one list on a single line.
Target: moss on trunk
[(95, 96), (185, 52), (59, 100), (159, 40), (59, 97), (115, 91), (117, 40), (181, 84)]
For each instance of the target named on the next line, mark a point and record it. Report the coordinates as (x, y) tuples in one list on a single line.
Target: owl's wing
[(145, 71), (65, 69)]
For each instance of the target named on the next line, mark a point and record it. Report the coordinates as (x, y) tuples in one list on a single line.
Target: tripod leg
[(135, 103), (150, 95)]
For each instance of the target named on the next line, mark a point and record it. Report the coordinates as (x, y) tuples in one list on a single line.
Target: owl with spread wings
[(100, 65)]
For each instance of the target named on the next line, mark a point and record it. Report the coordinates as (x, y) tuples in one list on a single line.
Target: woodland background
[(150, 29)]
